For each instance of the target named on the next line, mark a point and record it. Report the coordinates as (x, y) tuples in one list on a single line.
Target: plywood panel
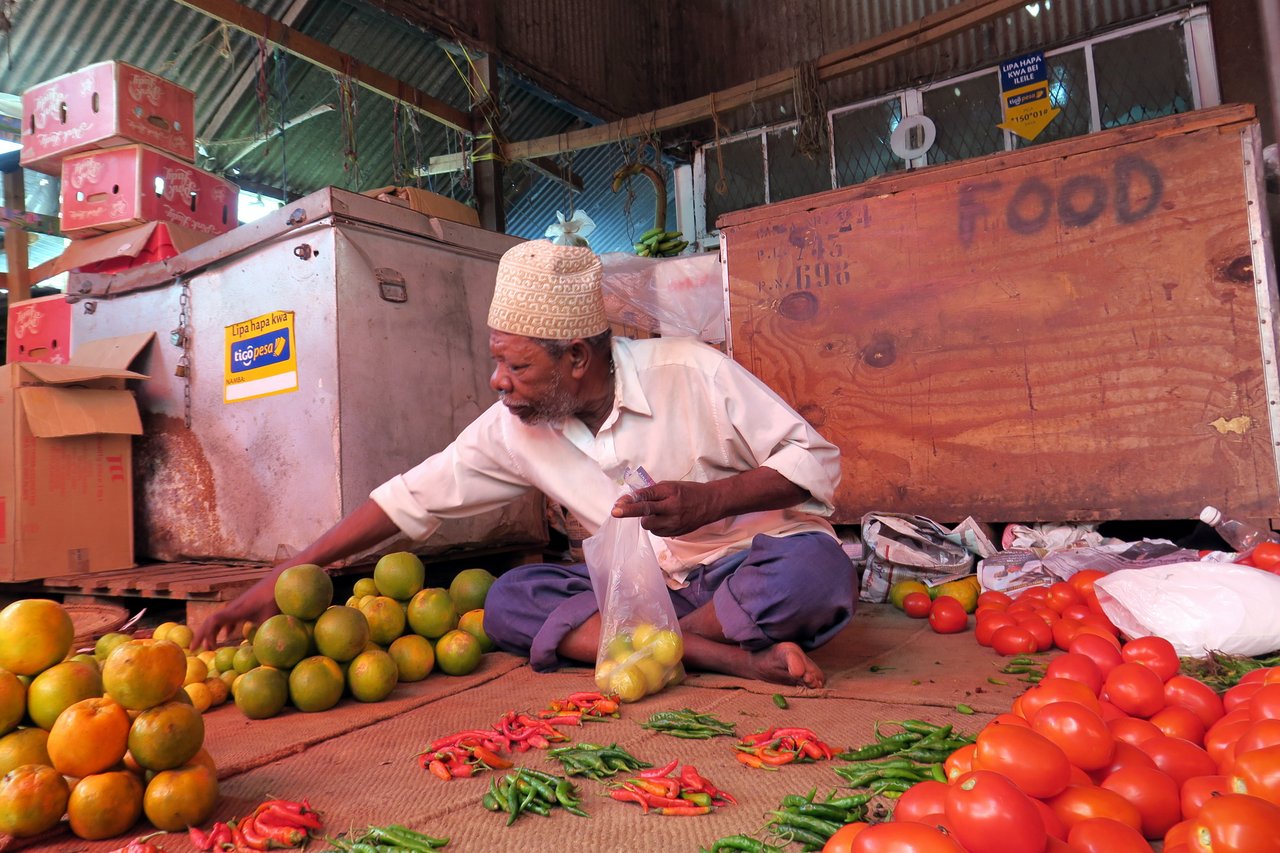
[(1072, 332)]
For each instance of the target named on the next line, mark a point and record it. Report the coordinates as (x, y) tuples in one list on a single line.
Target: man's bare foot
[(786, 663)]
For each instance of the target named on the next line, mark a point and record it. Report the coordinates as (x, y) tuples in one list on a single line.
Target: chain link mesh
[(966, 114), (861, 140), (791, 172), (743, 176), (1143, 75), (1068, 91)]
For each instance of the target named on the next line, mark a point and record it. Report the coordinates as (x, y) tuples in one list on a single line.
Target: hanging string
[(811, 131), (221, 31), (411, 116), (282, 112), (347, 108), (566, 165), (722, 185), (397, 149), (263, 89), (7, 10)]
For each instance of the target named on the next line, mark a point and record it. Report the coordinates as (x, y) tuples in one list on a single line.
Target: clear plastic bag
[(1199, 607), (640, 641), (674, 297)]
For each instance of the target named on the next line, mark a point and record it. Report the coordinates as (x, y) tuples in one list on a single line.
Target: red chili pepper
[(237, 836), (683, 811), (751, 760), (279, 834), (304, 819), (253, 837), (654, 786), (776, 758), (537, 741), (491, 758), (200, 838), (464, 770), (437, 768), (658, 772), (220, 836), (563, 721), (605, 707), (628, 796), (812, 750)]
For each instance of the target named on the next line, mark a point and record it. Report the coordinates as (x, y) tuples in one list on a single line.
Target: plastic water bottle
[(1240, 535)]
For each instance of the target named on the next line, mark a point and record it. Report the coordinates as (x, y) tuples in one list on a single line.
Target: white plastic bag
[(674, 297), (1199, 607), (640, 641)]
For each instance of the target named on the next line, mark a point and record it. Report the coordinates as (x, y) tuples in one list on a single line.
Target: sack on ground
[(1199, 607), (912, 547), (640, 641)]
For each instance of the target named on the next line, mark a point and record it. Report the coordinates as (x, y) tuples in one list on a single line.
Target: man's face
[(530, 383)]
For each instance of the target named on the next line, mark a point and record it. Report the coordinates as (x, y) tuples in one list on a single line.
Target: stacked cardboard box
[(123, 141)]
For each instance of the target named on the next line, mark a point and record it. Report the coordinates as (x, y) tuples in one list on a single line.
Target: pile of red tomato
[(1113, 749)]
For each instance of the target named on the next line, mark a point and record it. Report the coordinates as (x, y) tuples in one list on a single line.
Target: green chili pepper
[(965, 709), (780, 700)]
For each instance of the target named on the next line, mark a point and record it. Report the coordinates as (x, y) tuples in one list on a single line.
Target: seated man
[(756, 575)]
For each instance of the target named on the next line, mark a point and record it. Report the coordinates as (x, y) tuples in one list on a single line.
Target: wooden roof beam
[(314, 51)]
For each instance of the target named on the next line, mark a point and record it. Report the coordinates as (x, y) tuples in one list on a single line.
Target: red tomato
[(1156, 796), (1240, 694), (991, 815), (1078, 731), (1062, 595), (987, 623), (1053, 826), (1079, 777), (1103, 835), (1181, 759), (1064, 631), (1194, 694), (947, 615), (1038, 629), (1257, 735), (1085, 802), (1056, 690), (902, 838), (1133, 730), (842, 840), (994, 598), (1257, 772), (1126, 755), (1237, 823), (1076, 667), (1088, 626), (921, 800), (917, 604), (1034, 594), (1031, 761), (1076, 612), (1177, 721), (1259, 675), (1110, 712), (1197, 790), (1083, 581), (1013, 640), (1009, 720), (959, 762), (1155, 653), (1134, 689), (1265, 704), (1103, 653), (1266, 556)]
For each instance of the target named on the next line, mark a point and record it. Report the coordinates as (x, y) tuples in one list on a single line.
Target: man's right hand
[(256, 604)]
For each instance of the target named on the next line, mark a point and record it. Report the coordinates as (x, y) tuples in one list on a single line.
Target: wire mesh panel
[(791, 172), (1069, 92), (1142, 75), (861, 140), (742, 180), (967, 116)]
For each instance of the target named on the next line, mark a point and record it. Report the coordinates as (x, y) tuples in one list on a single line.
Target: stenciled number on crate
[(1132, 190)]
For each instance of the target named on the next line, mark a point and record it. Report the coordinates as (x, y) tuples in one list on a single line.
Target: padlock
[(181, 370), (178, 337)]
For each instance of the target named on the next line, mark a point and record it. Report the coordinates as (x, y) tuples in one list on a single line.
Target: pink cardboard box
[(101, 106), (39, 330), (119, 187)]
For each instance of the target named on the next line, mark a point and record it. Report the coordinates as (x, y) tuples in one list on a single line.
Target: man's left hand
[(671, 508)]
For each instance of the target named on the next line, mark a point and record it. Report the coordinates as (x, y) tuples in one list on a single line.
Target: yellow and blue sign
[(260, 357), (1024, 96)]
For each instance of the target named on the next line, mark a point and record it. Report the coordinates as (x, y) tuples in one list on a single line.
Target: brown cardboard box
[(116, 251), (424, 201), (66, 491)]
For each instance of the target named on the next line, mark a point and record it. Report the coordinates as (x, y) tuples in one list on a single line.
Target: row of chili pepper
[(528, 790), (388, 839), (595, 761), (274, 824), (687, 723), (582, 707), (687, 793), (800, 819), (467, 752), (777, 746), (918, 740), (141, 844)]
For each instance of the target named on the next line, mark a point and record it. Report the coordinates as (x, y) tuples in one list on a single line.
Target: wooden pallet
[(188, 581)]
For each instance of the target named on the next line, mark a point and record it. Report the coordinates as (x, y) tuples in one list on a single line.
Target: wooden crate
[(1082, 330)]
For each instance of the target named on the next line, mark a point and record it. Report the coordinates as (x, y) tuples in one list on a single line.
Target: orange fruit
[(281, 641), (261, 692), (203, 757), (13, 701), (316, 684), (166, 736), (458, 653), (363, 587), (107, 643), (89, 737), (141, 674), (432, 614), (473, 623), (469, 588), (399, 575), (181, 636), (244, 659), (414, 657), (341, 633), (386, 618), (372, 675), (35, 633), (304, 591), (59, 687), (32, 800), (25, 746), (179, 798), (105, 805)]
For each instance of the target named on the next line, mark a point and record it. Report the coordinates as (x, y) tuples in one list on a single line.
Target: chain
[(183, 333)]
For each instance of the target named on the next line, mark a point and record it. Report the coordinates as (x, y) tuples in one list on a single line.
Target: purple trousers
[(800, 588)]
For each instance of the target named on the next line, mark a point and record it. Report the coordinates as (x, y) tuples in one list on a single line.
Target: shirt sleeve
[(474, 474), (767, 432)]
